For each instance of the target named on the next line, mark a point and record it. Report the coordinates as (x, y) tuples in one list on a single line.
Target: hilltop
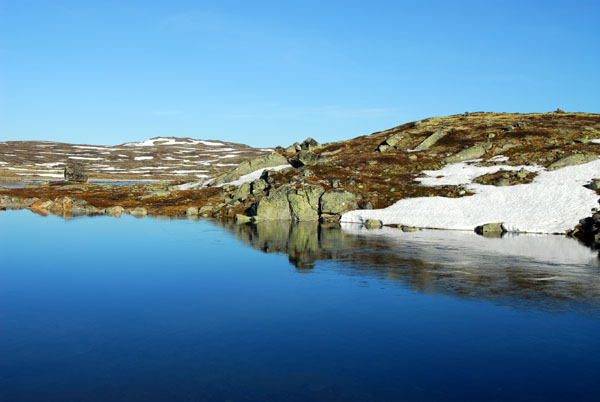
[(497, 158)]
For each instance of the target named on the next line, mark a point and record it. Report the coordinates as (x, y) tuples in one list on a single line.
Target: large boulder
[(336, 202), (304, 158), (250, 166), (304, 204), (289, 203), (74, 172), (275, 206)]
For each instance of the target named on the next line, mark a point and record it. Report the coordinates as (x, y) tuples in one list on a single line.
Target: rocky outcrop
[(432, 139), (470, 153), (304, 158), (390, 142), (571, 160), (74, 172), (289, 203), (250, 166), (334, 203)]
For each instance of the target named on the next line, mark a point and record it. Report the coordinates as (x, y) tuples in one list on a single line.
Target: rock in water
[(373, 224), (74, 172), (490, 229)]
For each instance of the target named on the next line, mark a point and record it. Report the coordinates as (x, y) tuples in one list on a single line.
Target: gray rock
[(490, 229), (250, 166), (114, 211), (473, 152), (309, 144), (432, 139), (372, 224), (291, 149), (571, 160), (139, 212), (242, 219), (408, 228), (258, 186), (336, 202), (594, 185), (160, 193), (191, 211), (275, 206), (392, 141), (243, 192), (304, 158), (74, 172)]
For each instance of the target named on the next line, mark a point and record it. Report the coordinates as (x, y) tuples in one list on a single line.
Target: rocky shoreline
[(314, 182)]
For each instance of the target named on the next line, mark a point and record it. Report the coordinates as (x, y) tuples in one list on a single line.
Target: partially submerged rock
[(490, 229), (372, 224)]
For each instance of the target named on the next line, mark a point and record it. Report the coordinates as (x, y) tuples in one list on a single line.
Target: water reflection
[(536, 271)]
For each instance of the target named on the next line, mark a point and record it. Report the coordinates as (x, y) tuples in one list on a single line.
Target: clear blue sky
[(270, 73)]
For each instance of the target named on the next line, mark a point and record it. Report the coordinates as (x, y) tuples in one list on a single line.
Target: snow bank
[(553, 203), (143, 158)]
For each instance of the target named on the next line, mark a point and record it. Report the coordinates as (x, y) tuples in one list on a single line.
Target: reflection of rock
[(545, 272)]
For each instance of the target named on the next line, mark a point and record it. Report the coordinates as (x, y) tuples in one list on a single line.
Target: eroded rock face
[(74, 172)]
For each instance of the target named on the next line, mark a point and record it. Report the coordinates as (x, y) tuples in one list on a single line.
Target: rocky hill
[(520, 172), (161, 158)]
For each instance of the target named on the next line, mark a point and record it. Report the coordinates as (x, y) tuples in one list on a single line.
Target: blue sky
[(270, 73)]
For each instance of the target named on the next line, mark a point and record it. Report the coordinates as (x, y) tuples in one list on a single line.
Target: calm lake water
[(105, 309)]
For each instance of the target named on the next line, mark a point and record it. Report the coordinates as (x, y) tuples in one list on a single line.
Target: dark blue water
[(105, 309)]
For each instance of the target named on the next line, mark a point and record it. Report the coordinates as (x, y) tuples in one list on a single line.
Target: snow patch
[(143, 158), (553, 203)]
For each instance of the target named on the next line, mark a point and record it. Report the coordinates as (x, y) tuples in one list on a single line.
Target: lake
[(106, 309)]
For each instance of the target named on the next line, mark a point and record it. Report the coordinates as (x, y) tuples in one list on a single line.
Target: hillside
[(449, 158), (161, 158)]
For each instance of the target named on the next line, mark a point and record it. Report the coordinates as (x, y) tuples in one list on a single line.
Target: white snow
[(553, 203), (253, 176), (3, 163), (49, 164), (464, 173), (211, 144), (595, 141), (162, 141), (89, 159), (143, 158)]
